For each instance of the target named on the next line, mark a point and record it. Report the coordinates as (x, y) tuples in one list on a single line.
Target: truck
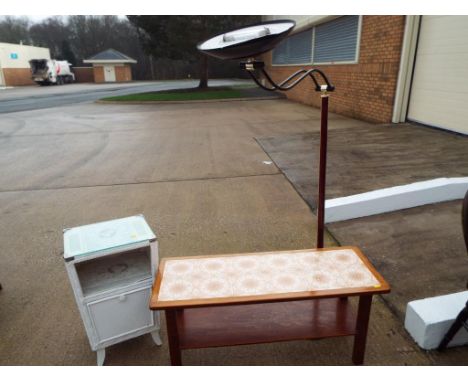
[(51, 72)]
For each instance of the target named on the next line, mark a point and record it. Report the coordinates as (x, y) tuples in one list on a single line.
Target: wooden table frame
[(289, 316)]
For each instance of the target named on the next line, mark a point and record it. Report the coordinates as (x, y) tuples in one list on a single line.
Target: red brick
[(364, 90)]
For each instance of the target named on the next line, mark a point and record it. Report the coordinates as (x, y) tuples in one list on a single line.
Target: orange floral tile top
[(261, 274)]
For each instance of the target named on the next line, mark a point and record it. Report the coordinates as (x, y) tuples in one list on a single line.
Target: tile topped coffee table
[(249, 298)]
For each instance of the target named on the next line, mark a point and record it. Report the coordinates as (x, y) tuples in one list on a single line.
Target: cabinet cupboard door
[(121, 315)]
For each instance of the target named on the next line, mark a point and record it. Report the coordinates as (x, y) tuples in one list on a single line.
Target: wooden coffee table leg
[(173, 336), (362, 323)]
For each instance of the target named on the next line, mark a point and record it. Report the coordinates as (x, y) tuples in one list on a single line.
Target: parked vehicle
[(46, 72)]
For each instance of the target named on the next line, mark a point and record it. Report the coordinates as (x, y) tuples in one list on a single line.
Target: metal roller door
[(439, 91)]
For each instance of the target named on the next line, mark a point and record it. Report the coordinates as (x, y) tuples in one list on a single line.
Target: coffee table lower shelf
[(264, 323), (215, 326)]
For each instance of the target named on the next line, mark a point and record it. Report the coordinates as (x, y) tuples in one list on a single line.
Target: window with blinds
[(296, 49), (333, 41), (336, 40)]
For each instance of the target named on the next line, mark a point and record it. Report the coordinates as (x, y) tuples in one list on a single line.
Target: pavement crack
[(138, 183)]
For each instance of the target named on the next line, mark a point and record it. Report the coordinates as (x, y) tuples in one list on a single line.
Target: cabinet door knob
[(122, 297)]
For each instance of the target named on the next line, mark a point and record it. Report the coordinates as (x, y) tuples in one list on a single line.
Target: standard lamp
[(251, 41)]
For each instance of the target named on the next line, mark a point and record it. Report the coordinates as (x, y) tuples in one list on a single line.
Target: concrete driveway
[(198, 175)]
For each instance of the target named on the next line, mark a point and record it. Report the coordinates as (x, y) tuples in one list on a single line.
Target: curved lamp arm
[(252, 67)]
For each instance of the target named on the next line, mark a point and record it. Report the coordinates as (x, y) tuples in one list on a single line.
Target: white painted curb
[(429, 319), (395, 198)]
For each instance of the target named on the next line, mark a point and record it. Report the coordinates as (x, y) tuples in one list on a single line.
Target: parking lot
[(204, 185)]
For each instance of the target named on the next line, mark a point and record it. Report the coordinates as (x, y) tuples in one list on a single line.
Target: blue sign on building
[(14, 56)]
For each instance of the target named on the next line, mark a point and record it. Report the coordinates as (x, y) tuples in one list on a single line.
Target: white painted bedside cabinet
[(111, 266)]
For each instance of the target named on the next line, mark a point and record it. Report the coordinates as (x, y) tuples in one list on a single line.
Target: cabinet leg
[(101, 356), (156, 337), (173, 336), (362, 323)]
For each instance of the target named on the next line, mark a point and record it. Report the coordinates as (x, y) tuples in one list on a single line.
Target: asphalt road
[(35, 97)]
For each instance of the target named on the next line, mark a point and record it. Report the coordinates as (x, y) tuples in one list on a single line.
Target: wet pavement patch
[(419, 251), (368, 157)]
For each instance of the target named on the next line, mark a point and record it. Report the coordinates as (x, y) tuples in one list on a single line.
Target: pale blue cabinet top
[(92, 238)]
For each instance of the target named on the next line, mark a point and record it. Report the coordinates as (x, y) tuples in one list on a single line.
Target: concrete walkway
[(205, 186)]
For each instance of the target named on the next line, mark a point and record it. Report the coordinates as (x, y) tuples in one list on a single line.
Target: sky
[(37, 18)]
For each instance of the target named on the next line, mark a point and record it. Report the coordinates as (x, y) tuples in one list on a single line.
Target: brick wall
[(17, 76), (364, 90), (83, 74), (123, 73), (98, 74)]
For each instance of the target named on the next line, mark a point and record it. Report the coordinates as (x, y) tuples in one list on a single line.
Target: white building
[(14, 63)]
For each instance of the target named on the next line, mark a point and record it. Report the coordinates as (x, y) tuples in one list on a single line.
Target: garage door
[(439, 92)]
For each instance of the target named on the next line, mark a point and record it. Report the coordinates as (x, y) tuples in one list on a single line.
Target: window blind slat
[(296, 49), (336, 40)]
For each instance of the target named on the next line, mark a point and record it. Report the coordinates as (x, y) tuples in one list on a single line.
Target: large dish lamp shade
[(247, 42)]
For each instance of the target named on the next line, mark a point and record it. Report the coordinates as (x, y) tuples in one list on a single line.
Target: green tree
[(176, 37)]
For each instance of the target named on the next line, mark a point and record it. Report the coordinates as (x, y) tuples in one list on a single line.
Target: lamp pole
[(322, 168)]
